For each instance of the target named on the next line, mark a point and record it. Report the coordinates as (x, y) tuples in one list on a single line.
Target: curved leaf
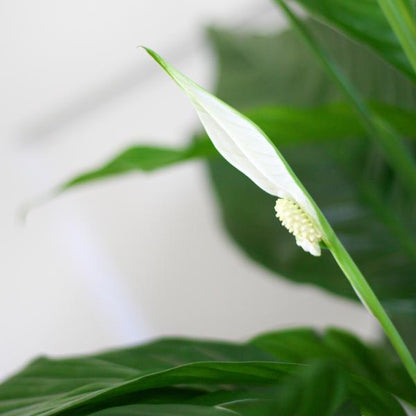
[(176, 372), (142, 158), (165, 410)]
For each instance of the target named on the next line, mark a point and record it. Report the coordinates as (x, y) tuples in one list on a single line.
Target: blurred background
[(136, 257)]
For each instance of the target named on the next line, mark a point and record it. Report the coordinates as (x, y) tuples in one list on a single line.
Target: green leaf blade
[(204, 376)]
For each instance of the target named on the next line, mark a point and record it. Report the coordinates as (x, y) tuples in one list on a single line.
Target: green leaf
[(365, 22), (143, 158), (320, 391), (165, 410), (374, 217), (48, 387), (176, 375), (347, 351), (317, 390), (289, 125)]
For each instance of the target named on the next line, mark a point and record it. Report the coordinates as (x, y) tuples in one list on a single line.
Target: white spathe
[(243, 144)]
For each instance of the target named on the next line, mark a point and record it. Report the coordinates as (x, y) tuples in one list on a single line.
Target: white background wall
[(137, 257)]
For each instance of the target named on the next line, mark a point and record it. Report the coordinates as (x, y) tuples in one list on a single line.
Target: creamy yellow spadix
[(306, 233), (243, 144)]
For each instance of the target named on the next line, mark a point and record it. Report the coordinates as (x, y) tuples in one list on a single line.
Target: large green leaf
[(319, 390), (316, 389), (165, 410), (358, 193), (207, 377), (102, 386), (365, 22), (48, 387), (347, 351)]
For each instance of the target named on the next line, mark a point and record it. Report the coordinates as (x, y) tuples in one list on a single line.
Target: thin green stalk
[(403, 24), (384, 135), (368, 297)]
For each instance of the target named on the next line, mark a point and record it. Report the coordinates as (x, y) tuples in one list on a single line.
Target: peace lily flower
[(243, 144), (246, 147)]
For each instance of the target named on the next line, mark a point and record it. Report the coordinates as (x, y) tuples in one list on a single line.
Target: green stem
[(403, 24), (384, 135), (368, 297)]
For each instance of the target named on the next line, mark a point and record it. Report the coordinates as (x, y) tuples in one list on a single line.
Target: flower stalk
[(367, 296)]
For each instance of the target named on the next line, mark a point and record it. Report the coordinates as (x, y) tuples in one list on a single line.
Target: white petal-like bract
[(242, 143)]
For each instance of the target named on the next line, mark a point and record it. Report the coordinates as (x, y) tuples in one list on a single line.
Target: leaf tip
[(154, 55)]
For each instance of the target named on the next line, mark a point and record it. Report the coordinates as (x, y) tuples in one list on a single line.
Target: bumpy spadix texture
[(297, 221), (246, 147)]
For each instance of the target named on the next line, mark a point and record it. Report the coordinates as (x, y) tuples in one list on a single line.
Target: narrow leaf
[(165, 410), (143, 158)]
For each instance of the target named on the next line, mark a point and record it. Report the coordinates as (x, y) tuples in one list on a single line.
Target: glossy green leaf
[(210, 376), (347, 351), (358, 193), (143, 158), (84, 385), (48, 386), (365, 22), (321, 390), (317, 390), (165, 410)]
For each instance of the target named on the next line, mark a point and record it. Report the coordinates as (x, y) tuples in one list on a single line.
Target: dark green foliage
[(365, 22), (278, 83), (285, 373)]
